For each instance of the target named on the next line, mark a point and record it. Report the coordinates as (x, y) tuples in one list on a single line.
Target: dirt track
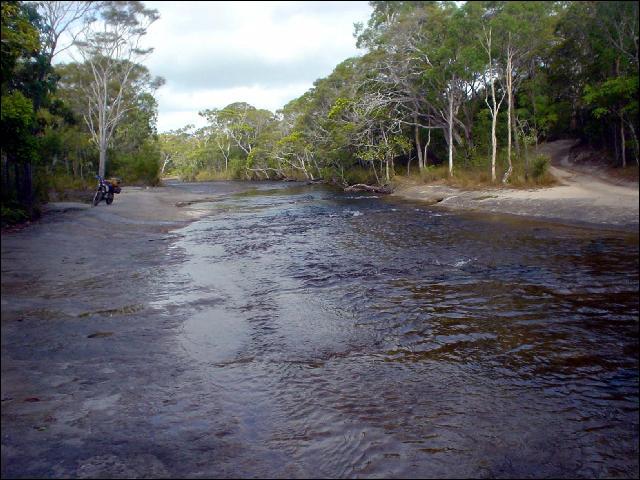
[(583, 196)]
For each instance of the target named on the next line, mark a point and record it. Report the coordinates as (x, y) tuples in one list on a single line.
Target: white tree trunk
[(509, 78), (494, 145), (450, 134), (494, 106), (622, 142), (418, 143), (426, 148)]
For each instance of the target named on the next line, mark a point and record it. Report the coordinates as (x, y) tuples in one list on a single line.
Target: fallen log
[(199, 200), (361, 187)]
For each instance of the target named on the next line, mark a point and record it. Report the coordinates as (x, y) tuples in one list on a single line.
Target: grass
[(357, 175), (478, 174), (12, 215), (61, 187), (212, 175)]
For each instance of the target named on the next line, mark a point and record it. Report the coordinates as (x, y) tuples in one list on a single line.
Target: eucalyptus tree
[(241, 122), (308, 139), (369, 124), (520, 30), (616, 96), (481, 16), (220, 134), (295, 148), (393, 33), (448, 75), (426, 58), (135, 119), (174, 147), (378, 135), (493, 72), (64, 22), (111, 48), (295, 153)]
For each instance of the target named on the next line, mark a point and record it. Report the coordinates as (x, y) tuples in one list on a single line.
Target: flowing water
[(355, 336)]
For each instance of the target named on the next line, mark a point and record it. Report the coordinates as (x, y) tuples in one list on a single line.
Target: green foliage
[(574, 71), (11, 215), (137, 167), (61, 182), (540, 166), (357, 175), (20, 40), (616, 95), (16, 124), (339, 107)]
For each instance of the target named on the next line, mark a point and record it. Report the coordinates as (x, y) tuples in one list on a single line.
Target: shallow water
[(356, 336)]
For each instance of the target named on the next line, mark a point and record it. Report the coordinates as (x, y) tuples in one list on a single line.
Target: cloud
[(265, 53), (229, 71), (181, 107)]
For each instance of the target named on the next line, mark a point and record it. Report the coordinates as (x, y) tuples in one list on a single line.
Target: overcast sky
[(265, 53)]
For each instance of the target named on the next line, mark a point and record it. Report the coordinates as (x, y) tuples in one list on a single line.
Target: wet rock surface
[(79, 336), (300, 332)]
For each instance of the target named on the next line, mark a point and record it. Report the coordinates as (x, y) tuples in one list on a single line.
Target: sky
[(212, 54)]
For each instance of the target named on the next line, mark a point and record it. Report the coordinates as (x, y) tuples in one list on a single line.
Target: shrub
[(357, 175), (540, 166), (138, 167), (10, 215)]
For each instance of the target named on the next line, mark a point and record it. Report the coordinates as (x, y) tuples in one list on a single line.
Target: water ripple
[(355, 337)]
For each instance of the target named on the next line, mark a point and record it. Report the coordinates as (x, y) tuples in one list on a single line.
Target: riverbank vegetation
[(443, 91), (60, 123)]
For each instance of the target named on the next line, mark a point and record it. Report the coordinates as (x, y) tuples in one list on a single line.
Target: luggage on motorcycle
[(115, 184)]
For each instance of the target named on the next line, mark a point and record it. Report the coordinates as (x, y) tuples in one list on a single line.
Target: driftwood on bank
[(361, 187), (198, 200)]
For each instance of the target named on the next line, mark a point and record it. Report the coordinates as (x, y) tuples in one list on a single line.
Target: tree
[(138, 108), (616, 98), (111, 49), (522, 29), (64, 17), (243, 125), (20, 51), (490, 86), (618, 23), (174, 146)]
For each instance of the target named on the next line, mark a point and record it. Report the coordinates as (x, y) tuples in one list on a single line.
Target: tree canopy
[(458, 87)]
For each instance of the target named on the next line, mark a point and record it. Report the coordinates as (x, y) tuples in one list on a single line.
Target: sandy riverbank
[(581, 196)]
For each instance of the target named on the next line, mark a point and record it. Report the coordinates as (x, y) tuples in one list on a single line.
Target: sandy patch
[(580, 197)]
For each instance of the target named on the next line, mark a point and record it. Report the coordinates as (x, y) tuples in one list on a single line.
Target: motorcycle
[(106, 190)]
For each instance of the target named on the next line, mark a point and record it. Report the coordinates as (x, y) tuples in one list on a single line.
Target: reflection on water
[(357, 336)]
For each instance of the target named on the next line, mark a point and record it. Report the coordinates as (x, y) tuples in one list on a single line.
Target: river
[(355, 336)]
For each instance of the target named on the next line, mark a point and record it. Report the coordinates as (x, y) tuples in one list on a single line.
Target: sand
[(582, 196)]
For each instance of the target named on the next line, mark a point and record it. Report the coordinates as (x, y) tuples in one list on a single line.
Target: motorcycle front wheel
[(97, 197)]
